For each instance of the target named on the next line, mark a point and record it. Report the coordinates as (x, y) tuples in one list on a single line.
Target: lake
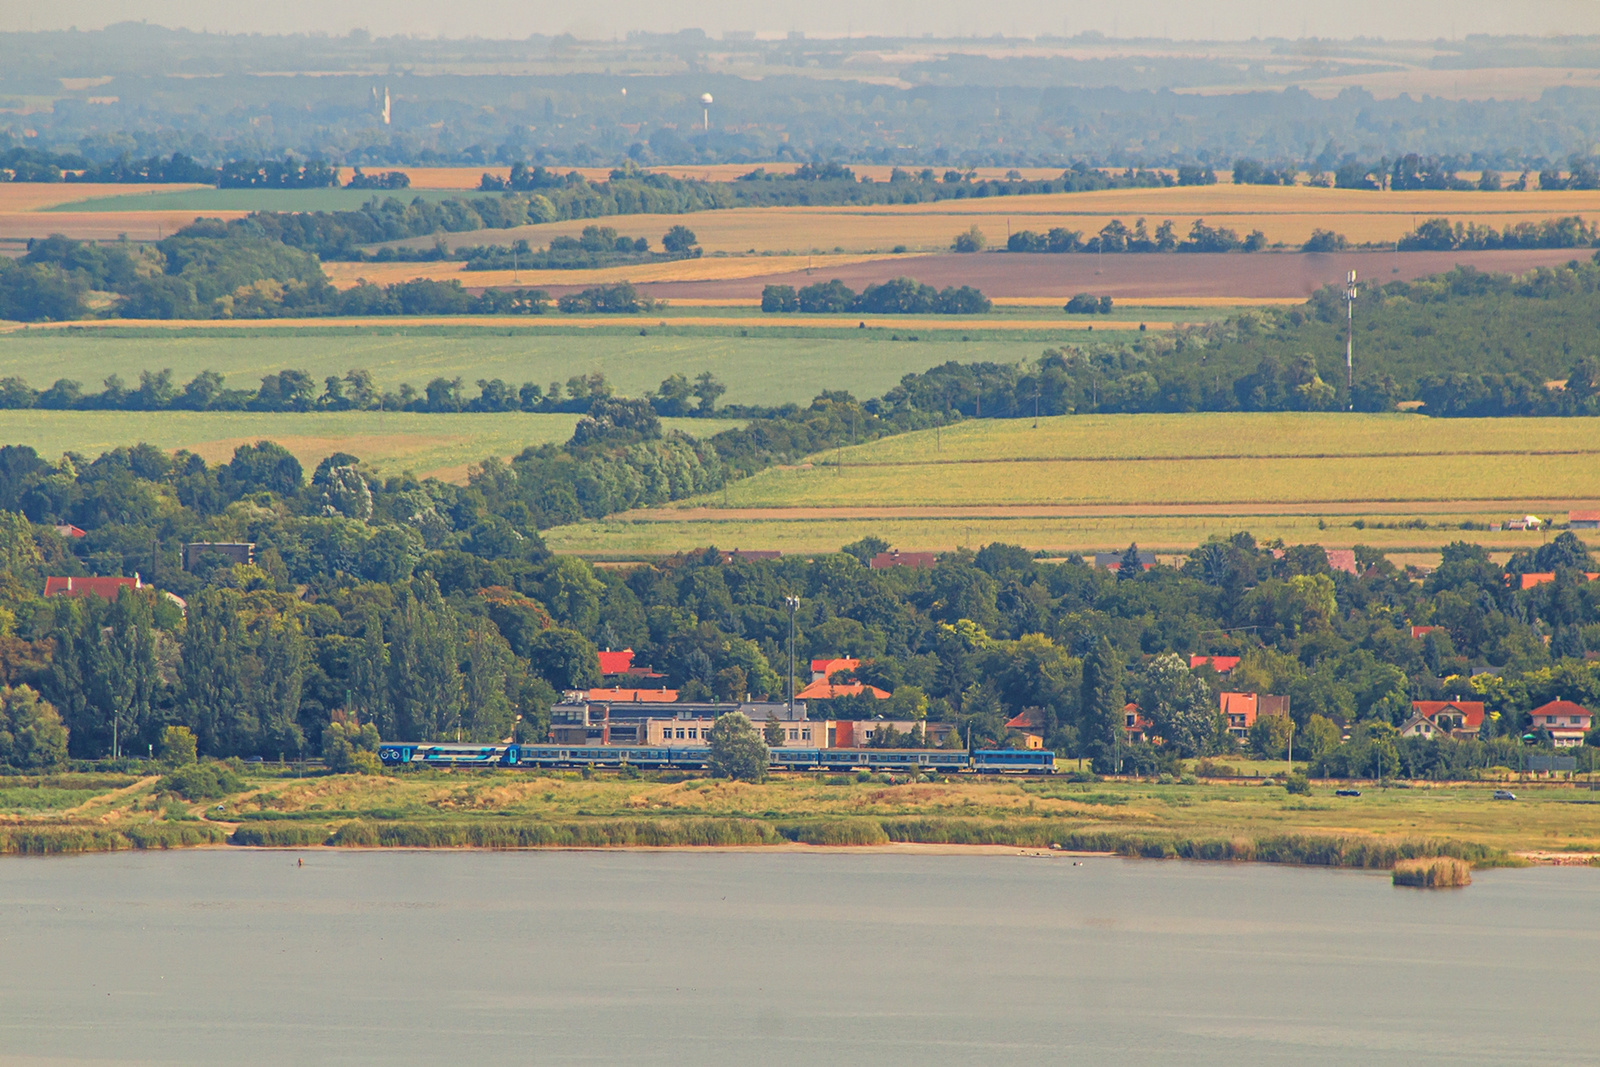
[(242, 956)]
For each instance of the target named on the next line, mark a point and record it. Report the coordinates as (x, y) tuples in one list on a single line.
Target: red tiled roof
[(106, 588), (1583, 516), (897, 558), (1220, 664), (824, 690), (66, 529), (616, 662), (1471, 711), (1025, 721), (642, 696), (1541, 577), (1342, 559), (824, 669), (1562, 707), (1238, 704), (1423, 631)]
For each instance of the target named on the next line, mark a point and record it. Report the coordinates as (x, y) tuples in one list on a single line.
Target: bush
[(207, 780), (178, 746), (1437, 872), (1298, 784)]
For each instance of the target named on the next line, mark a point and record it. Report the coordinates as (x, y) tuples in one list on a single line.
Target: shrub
[(201, 781), (1298, 784)]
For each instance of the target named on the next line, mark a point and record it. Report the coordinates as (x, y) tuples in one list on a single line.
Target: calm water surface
[(559, 957)]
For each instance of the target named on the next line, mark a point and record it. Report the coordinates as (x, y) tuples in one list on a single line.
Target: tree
[(1320, 736), (564, 658), (679, 240), (774, 732), (32, 737), (178, 746), (1130, 565), (1270, 734), (1101, 705), (972, 240), (737, 749), (707, 389), (1180, 706)]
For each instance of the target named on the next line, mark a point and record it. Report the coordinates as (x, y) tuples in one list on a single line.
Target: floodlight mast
[(1350, 339)]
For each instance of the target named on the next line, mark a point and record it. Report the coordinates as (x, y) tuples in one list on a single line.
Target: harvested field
[(1232, 276), (42, 196), (101, 225), (1079, 483), (1285, 214), (442, 446), (209, 200), (717, 268)]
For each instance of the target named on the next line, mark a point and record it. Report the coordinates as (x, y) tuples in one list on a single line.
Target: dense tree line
[(425, 610), (597, 246), (898, 296)]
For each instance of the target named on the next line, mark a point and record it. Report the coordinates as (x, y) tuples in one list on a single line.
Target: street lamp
[(793, 604)]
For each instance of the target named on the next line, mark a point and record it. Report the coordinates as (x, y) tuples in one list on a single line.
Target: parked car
[(1504, 794), (1347, 792)]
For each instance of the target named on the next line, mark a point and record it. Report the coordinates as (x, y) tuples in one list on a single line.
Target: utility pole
[(1350, 339), (793, 604)]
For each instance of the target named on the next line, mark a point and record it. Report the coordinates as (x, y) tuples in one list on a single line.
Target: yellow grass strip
[(910, 324), (103, 225), (38, 196)]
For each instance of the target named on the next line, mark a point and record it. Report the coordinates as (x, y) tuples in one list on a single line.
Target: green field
[(759, 369), (253, 199), (1083, 483), (439, 445)]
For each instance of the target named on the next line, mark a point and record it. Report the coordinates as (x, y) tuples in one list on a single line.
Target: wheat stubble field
[(1096, 482)]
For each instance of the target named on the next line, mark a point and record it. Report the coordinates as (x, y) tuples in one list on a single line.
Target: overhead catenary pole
[(1350, 339), (793, 604)]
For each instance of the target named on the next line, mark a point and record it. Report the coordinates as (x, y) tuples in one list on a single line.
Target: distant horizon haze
[(1421, 20)]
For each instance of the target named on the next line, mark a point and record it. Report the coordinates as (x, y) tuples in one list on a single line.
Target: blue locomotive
[(698, 758)]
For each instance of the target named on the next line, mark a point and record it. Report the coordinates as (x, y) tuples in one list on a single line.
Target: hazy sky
[(606, 18)]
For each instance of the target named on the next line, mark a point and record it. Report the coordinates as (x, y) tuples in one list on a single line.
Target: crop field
[(441, 446), (715, 268), (758, 369), (204, 198), (1285, 214), (1083, 483)]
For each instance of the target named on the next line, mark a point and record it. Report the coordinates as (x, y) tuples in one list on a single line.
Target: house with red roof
[(1537, 578), (1564, 721), (1583, 520), (1241, 710), (104, 588), (1220, 664), (826, 690), (1419, 632), (1135, 727), (1460, 719), (633, 696), (1342, 559), (1030, 724), (824, 669)]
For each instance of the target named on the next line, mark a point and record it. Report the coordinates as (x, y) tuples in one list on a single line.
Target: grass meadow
[(442, 446), (1250, 818)]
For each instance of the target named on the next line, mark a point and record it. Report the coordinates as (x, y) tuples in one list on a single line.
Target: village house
[(1241, 710), (1564, 721), (823, 686), (104, 588), (1135, 727), (1583, 520), (1460, 719), (1030, 724), (1112, 561), (1220, 664), (1537, 578)]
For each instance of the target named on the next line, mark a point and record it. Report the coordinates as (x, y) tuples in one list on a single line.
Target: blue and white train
[(697, 758)]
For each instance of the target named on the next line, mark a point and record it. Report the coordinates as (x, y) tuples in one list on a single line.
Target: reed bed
[(59, 840), (625, 833), (1437, 872)]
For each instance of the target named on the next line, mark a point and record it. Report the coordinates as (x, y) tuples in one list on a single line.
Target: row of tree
[(898, 296), (1116, 236)]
